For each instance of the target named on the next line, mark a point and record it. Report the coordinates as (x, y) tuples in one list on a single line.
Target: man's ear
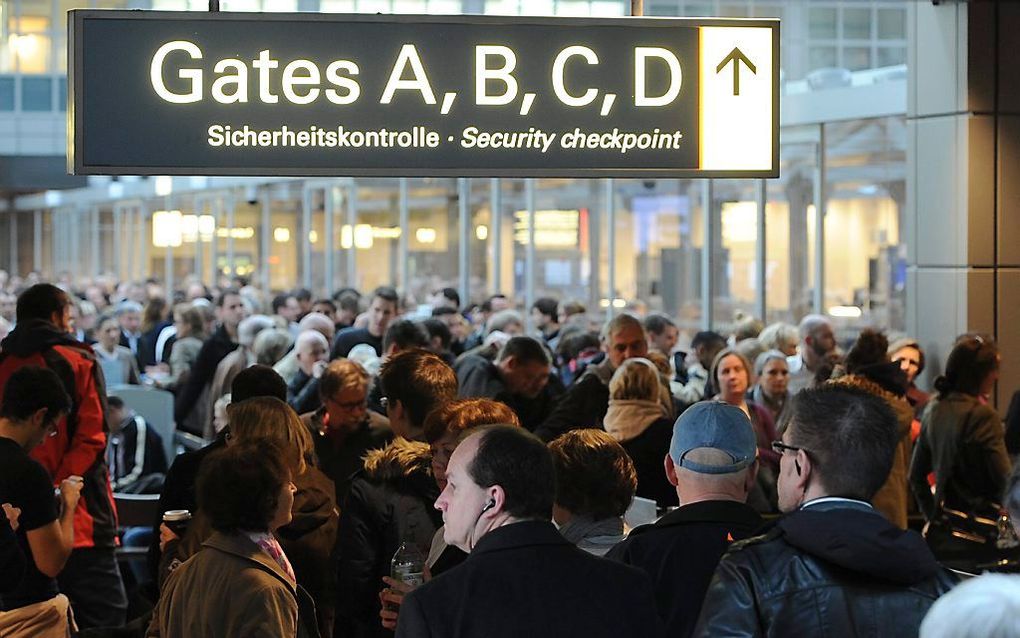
[(803, 461), (667, 463), (38, 417), (752, 477), (497, 496)]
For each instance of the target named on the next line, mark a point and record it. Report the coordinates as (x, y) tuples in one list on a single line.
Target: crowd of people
[(369, 469)]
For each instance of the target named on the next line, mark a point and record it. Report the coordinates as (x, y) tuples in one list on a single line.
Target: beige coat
[(230, 588), (892, 498)]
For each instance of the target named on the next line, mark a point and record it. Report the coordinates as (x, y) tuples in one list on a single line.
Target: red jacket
[(79, 446)]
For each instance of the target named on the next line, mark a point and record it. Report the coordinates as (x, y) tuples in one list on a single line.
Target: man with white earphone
[(521, 578)]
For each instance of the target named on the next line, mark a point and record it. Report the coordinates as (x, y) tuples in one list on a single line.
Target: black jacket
[(389, 502), (647, 451), (584, 404), (218, 346), (309, 540), (680, 552), (134, 468), (340, 458), (963, 442), (835, 568), (303, 393), (479, 377), (526, 580)]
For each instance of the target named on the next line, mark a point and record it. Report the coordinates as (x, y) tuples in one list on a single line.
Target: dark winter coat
[(390, 501)]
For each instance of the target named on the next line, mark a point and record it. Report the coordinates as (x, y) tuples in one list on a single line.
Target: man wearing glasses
[(344, 429), (833, 565)]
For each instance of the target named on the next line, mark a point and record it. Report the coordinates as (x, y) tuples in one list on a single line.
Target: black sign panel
[(319, 94)]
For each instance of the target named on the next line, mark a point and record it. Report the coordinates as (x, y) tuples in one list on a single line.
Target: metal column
[(610, 205), (37, 228), (231, 204), (96, 261), (529, 255), (352, 221), (464, 221), (168, 256), (118, 242), (402, 241), (760, 256), (328, 213), (496, 232), (265, 236), (818, 299), (13, 228), (214, 242), (145, 240), (707, 248), (302, 236)]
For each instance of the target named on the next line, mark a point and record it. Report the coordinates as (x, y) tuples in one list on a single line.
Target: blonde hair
[(268, 418), (635, 379)]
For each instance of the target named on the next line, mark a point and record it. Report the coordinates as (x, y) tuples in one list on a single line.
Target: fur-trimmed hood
[(900, 406), (398, 460)]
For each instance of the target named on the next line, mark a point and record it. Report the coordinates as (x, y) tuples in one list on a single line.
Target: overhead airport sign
[(317, 94)]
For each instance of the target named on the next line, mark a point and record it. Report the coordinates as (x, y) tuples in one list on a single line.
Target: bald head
[(310, 348), (318, 322)]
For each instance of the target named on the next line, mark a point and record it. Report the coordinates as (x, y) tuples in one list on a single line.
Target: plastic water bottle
[(408, 564)]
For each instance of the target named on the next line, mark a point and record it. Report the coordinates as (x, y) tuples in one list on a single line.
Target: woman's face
[(774, 377), (181, 325), (441, 452), (732, 377), (909, 359), (283, 506), (109, 334)]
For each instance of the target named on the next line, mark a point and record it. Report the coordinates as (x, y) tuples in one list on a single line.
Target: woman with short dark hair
[(241, 583)]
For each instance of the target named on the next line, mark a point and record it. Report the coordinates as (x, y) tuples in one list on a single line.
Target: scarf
[(580, 528), (627, 419)]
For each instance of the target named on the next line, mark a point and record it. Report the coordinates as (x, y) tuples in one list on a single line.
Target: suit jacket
[(526, 580)]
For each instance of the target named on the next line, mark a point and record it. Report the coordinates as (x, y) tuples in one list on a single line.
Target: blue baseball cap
[(716, 425)]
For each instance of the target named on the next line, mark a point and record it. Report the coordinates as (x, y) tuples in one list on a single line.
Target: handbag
[(981, 537)]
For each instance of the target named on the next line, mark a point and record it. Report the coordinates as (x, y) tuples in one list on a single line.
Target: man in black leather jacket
[(832, 566)]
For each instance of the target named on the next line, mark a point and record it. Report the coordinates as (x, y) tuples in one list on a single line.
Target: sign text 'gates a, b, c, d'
[(318, 94)]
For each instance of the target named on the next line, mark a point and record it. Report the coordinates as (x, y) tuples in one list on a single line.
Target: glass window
[(31, 52), (375, 237), (537, 7), (857, 24), (62, 94), (733, 11), (374, 6), (892, 24), (336, 6), (789, 230), (822, 23), (573, 8), (609, 8), (857, 58), (36, 93), (734, 250), (698, 10), (822, 57), (891, 56), (502, 7), (33, 16), (6, 93), (661, 9), (865, 260), (432, 235), (768, 11)]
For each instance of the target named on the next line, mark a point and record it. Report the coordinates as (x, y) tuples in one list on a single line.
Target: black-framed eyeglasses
[(779, 447)]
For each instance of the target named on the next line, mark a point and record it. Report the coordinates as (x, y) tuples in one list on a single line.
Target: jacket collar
[(241, 546), (705, 512), (515, 535)]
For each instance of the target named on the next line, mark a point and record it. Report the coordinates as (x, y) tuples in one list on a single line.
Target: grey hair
[(777, 335), (764, 358), (502, 319), (250, 327), (994, 598), (811, 323)]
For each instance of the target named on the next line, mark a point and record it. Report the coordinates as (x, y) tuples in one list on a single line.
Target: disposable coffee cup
[(177, 521)]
